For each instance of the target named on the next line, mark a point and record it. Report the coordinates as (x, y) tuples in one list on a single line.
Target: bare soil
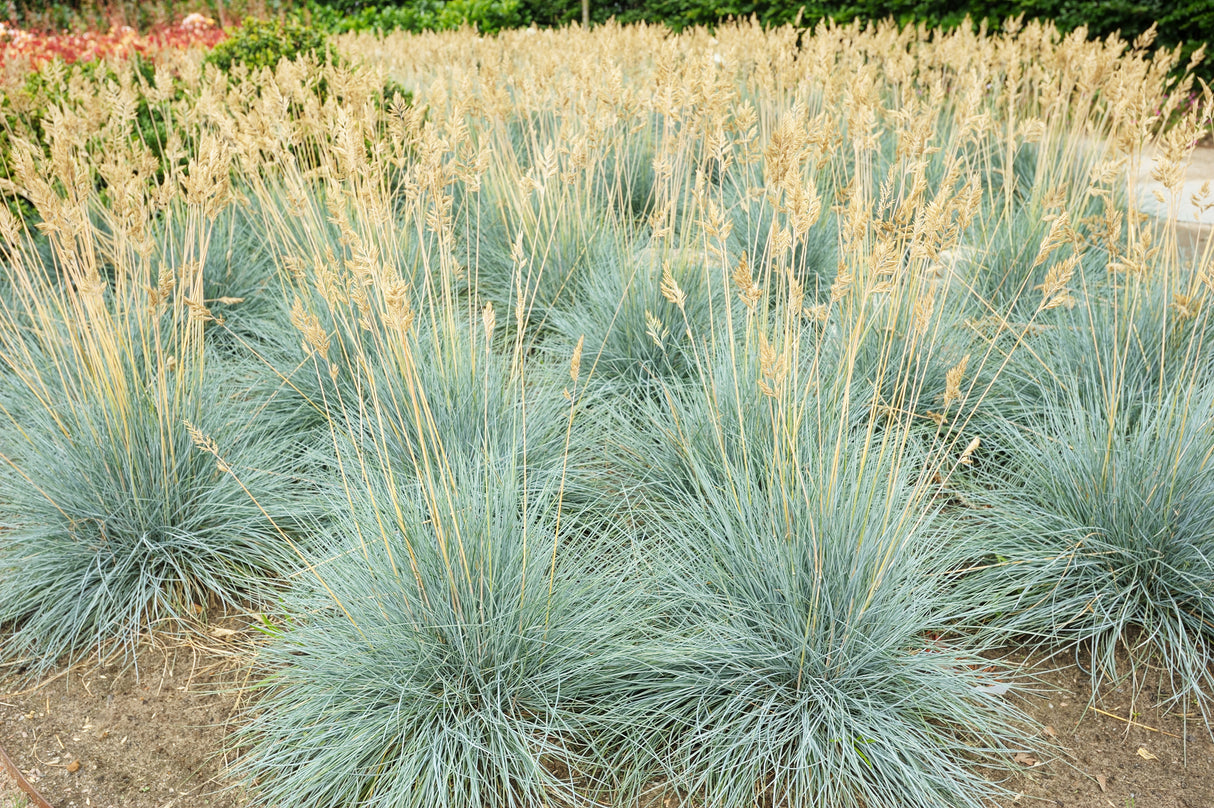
[(147, 733), (1120, 750), (159, 740)]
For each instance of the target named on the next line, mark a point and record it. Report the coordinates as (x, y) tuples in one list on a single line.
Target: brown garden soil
[(1118, 751), (100, 736), (144, 733)]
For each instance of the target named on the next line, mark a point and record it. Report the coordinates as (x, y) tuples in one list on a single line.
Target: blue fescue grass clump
[(1119, 348), (812, 669), (241, 284), (1090, 501), (459, 634), (635, 338), (444, 651), (114, 522), (1098, 534), (453, 390), (528, 255)]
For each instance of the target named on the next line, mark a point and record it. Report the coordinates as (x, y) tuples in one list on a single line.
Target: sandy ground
[(1119, 751)]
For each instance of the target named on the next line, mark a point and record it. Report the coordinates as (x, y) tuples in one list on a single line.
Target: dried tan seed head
[(199, 310), (967, 454), (924, 308), (748, 291), (818, 313), (952, 381), (1186, 306), (670, 287), (655, 329), (207, 445), (488, 320), (1054, 292), (399, 305), (1059, 234), (575, 362), (308, 324), (841, 286)]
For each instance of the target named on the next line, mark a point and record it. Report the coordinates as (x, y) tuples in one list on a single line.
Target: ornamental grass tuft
[(1103, 539)]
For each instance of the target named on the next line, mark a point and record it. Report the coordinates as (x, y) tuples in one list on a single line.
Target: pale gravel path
[(1200, 170), (10, 795), (1193, 228)]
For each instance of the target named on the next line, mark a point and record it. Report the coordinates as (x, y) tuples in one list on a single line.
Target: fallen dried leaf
[(1145, 755), (1103, 782), (1024, 760), (996, 689)]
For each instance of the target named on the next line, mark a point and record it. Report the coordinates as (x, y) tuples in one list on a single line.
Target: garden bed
[(160, 740), (588, 411)]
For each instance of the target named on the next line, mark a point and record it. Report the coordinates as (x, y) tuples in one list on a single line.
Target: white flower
[(197, 20)]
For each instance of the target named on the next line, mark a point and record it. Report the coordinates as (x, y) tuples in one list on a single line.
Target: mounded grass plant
[(1120, 347), (635, 338), (812, 665), (1087, 515), (529, 254), (458, 576), (1096, 537), (113, 521), (443, 654), (455, 564)]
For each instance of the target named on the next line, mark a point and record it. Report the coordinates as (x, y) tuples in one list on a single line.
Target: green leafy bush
[(264, 43), (487, 16), (57, 85)]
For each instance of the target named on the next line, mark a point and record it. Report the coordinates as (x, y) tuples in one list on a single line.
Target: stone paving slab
[(1193, 227)]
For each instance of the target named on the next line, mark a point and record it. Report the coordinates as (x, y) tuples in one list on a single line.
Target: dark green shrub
[(488, 16), (264, 43), (25, 113)]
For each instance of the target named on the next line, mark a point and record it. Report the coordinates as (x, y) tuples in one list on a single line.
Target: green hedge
[(1187, 21), (489, 16)]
